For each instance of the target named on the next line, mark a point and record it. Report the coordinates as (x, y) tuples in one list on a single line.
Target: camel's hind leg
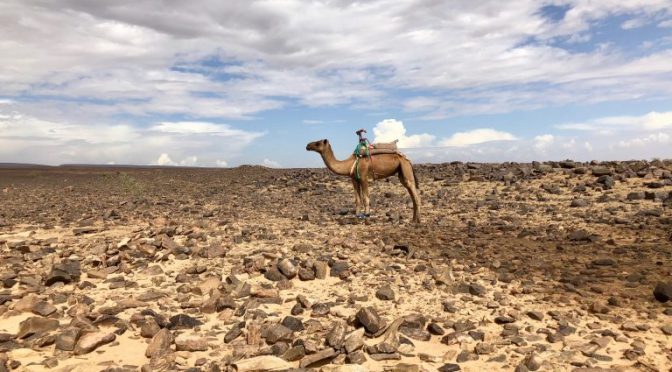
[(407, 178), (358, 195)]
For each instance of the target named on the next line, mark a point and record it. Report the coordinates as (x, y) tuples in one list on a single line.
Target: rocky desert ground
[(556, 266)]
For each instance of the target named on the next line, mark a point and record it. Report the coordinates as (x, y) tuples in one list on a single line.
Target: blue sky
[(251, 82)]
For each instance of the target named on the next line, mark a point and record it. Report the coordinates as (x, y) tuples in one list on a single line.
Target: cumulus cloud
[(542, 142), (270, 163), (25, 138), (164, 159), (390, 130), (476, 136), (221, 163)]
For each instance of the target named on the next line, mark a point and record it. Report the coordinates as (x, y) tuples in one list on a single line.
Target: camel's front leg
[(365, 196), (358, 197)]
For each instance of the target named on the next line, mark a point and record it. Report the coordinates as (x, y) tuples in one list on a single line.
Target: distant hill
[(23, 165)]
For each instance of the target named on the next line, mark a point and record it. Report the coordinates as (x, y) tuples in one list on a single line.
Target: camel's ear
[(324, 141)]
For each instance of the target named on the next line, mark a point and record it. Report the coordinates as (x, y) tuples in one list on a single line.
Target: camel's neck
[(340, 167)]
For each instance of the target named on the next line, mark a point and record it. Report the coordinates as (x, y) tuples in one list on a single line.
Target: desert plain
[(554, 266)]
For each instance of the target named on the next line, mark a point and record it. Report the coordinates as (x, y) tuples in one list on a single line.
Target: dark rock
[(36, 326), (274, 275), (276, 332), (183, 321), (477, 289), (663, 292), (536, 315), (234, 332), (449, 367), (435, 329), (336, 335), (356, 357), (67, 339), (466, 356), (338, 268), (369, 318), (504, 319), (293, 323), (385, 293), (294, 353), (306, 274), (321, 355)]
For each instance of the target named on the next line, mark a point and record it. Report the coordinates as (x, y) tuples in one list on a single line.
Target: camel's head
[(318, 146)]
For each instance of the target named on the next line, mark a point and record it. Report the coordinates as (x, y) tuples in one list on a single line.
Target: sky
[(223, 83)]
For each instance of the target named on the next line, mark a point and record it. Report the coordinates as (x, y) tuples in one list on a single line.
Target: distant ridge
[(23, 165)]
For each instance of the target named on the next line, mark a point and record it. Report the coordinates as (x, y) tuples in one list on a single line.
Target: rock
[(601, 171), (338, 268), (532, 362), (262, 363), (91, 341), (274, 275), (306, 274), (207, 285), (317, 357), (183, 321), (43, 308), (385, 293), (320, 269), (295, 324), (466, 356), (160, 344), (36, 326), (477, 289), (354, 340), (287, 268), (667, 329), (336, 335), (504, 319), (435, 329), (234, 332), (483, 348), (294, 353), (149, 328), (185, 342), (68, 338), (66, 271), (663, 292), (449, 367), (536, 315), (579, 203), (369, 318), (356, 357), (275, 333)]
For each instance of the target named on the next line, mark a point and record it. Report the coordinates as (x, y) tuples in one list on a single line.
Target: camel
[(380, 167)]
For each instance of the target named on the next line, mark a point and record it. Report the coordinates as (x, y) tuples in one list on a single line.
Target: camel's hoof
[(363, 215)]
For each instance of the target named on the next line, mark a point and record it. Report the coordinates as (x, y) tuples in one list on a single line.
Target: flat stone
[(317, 357), (354, 340), (160, 344), (36, 325), (68, 338), (276, 332), (262, 363), (449, 367), (91, 341), (295, 324)]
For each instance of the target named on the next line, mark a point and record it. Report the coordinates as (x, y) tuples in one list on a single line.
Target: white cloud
[(666, 23), (656, 138), (164, 159), (476, 136), (62, 142), (648, 122), (270, 163), (588, 146), (634, 23), (222, 163), (390, 130), (542, 142)]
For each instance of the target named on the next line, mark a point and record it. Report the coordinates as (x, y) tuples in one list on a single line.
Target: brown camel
[(382, 166)]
